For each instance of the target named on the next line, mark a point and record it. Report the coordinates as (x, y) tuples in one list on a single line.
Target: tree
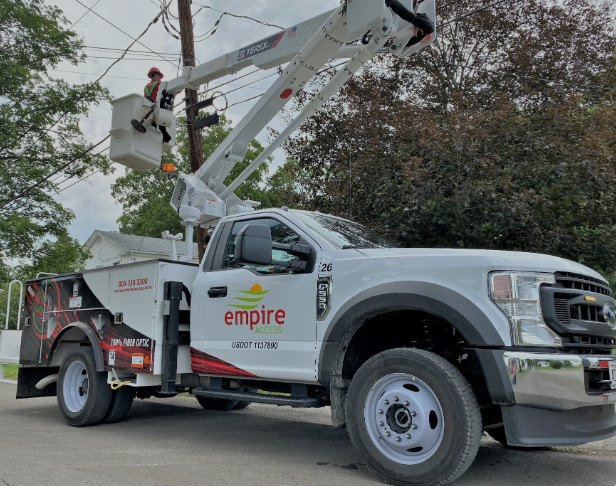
[(450, 156), (145, 195), (39, 124)]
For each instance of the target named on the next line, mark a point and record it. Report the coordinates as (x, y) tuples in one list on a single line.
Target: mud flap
[(29, 377)]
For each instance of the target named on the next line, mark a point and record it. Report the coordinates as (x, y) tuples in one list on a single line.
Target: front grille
[(582, 282), (586, 313), (562, 310), (589, 344)]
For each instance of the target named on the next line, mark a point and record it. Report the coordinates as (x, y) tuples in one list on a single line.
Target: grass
[(10, 372)]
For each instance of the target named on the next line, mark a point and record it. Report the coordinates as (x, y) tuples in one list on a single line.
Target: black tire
[(121, 402), (98, 391), (241, 405), (218, 404), (461, 437)]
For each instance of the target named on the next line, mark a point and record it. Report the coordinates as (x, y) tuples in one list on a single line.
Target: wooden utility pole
[(195, 142)]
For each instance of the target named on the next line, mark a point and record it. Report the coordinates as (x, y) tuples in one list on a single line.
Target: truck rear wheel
[(413, 417), (121, 402), (83, 393)]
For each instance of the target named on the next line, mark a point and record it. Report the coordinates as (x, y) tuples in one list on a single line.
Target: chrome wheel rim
[(76, 386), (404, 419)]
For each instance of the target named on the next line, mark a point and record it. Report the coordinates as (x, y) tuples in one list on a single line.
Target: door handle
[(217, 292)]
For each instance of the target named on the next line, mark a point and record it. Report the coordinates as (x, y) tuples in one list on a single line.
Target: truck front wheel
[(83, 393), (413, 417)]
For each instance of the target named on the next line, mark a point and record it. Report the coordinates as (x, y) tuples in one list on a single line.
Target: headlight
[(517, 294)]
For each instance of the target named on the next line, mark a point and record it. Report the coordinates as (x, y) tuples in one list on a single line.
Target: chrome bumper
[(554, 381)]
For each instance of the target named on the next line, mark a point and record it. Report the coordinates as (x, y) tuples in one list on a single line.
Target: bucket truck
[(416, 351)]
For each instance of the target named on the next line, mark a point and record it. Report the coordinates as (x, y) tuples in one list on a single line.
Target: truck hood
[(511, 260)]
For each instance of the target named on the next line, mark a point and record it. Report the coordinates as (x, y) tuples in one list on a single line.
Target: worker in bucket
[(146, 115)]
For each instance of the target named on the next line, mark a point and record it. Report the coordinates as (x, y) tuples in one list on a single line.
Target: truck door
[(257, 321)]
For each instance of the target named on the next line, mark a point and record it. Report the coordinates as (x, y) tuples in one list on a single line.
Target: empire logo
[(262, 321)]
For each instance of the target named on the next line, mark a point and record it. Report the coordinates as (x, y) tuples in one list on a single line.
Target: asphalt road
[(175, 442)]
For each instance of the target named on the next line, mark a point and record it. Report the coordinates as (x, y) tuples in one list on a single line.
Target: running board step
[(297, 402)]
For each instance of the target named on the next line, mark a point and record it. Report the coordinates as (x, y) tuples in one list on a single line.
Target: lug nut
[(413, 414), (396, 399), (414, 426), (386, 402), (381, 411), (408, 436), (398, 439), (387, 434), (381, 424), (407, 403)]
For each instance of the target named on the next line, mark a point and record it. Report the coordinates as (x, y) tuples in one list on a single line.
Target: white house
[(108, 248)]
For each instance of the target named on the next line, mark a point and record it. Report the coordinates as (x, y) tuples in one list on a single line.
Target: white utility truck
[(416, 351)]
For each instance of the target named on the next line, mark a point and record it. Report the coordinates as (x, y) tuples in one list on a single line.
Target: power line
[(136, 40), (238, 16), (86, 13), (124, 59), (34, 186), (90, 74), (86, 177), (118, 49), (245, 101), (93, 83), (259, 96)]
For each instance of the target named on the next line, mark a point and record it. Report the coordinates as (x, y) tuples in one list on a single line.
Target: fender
[(92, 337), (464, 315)]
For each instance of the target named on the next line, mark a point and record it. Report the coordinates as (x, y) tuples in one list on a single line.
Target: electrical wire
[(93, 83), (89, 74), (124, 59), (259, 96), (240, 102), (119, 49), (136, 40), (86, 13), (34, 186), (238, 16)]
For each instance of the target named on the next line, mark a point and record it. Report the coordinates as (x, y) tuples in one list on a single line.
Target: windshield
[(343, 233)]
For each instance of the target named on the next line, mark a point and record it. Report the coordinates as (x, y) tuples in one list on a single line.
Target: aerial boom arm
[(398, 27)]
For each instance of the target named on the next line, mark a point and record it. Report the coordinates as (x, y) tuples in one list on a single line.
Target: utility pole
[(195, 142)]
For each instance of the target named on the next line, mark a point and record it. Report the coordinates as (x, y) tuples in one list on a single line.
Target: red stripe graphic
[(209, 365), (278, 39)]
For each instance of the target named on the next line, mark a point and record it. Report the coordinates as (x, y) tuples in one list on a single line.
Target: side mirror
[(253, 245)]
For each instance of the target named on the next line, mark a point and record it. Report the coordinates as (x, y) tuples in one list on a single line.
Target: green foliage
[(145, 195), (436, 155), (11, 372), (35, 40)]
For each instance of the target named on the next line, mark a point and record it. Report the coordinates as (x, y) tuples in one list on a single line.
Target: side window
[(281, 233)]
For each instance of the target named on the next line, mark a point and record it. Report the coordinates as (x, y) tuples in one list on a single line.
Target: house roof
[(143, 244)]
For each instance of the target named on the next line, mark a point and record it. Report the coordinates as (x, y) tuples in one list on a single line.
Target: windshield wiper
[(353, 247)]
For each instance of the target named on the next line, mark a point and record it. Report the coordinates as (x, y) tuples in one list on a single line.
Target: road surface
[(175, 442)]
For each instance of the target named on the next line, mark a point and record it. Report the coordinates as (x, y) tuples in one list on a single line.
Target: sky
[(91, 199)]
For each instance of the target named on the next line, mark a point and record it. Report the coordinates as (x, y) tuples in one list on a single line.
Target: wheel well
[(75, 335), (403, 329)]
